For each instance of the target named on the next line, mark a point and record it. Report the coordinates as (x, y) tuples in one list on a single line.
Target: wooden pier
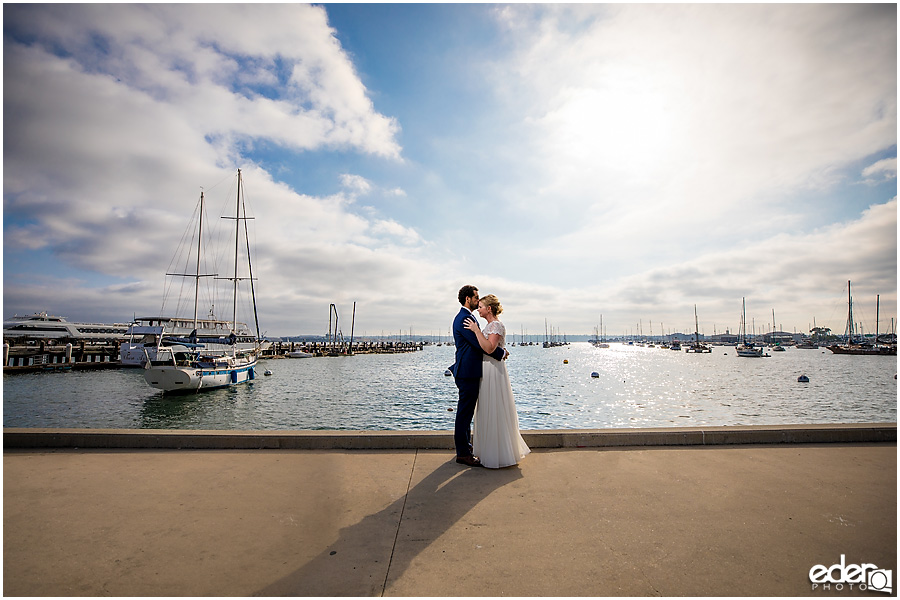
[(62, 356), (282, 349), (44, 356)]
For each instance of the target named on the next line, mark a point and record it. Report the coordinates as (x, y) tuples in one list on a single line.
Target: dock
[(60, 356), (44, 356)]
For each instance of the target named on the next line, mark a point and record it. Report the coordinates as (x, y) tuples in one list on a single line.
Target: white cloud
[(636, 165), (356, 184), (884, 169), (699, 110)]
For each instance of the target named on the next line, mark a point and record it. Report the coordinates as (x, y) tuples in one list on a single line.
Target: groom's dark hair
[(467, 291)]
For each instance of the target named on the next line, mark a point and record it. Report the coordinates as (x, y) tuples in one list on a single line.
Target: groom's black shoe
[(469, 461)]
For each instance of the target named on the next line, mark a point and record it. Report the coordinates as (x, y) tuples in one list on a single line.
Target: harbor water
[(637, 387)]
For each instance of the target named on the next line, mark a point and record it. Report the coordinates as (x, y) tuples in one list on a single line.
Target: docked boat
[(41, 326), (857, 347), (146, 334), (186, 364)]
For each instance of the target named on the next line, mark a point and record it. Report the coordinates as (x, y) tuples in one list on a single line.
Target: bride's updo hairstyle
[(492, 303)]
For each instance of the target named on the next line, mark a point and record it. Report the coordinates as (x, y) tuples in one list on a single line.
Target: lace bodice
[(496, 327)]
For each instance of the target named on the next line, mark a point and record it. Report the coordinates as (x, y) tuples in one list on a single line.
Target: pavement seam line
[(387, 573)]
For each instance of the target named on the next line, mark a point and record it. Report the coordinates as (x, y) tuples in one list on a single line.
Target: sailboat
[(852, 347), (745, 348), (776, 345), (192, 367), (697, 347), (599, 340)]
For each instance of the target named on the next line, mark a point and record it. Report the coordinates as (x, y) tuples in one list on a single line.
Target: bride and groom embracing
[(484, 389)]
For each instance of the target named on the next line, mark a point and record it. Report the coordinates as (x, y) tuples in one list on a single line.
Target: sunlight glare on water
[(637, 387)]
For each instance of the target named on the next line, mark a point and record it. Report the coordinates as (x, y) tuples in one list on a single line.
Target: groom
[(467, 373)]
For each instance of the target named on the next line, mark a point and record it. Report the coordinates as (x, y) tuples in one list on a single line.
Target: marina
[(635, 387)]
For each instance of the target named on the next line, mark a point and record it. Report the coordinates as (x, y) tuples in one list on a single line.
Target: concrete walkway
[(645, 521)]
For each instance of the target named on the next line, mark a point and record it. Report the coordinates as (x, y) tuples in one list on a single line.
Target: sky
[(581, 162)]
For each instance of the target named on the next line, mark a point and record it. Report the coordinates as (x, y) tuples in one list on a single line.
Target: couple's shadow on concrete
[(372, 553)]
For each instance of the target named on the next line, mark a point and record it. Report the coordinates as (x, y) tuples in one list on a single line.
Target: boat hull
[(199, 377), (865, 351), (749, 352)]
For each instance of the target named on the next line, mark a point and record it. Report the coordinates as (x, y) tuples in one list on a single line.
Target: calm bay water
[(637, 387)]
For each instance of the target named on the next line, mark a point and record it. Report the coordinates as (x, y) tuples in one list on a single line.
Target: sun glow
[(626, 124)]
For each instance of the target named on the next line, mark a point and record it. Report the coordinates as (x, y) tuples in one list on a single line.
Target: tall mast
[(743, 320), (696, 326), (877, 309), (197, 277), (237, 240), (849, 315), (250, 273)]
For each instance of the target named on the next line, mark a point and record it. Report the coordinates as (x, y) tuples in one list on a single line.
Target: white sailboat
[(189, 367)]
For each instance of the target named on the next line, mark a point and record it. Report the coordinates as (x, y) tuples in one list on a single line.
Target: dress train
[(496, 436)]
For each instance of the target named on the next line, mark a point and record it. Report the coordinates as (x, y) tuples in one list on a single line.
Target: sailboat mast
[(237, 244), (197, 277), (849, 315), (250, 273), (743, 320), (877, 309), (696, 326)]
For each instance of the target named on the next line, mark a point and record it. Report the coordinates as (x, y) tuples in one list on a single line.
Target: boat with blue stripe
[(193, 364)]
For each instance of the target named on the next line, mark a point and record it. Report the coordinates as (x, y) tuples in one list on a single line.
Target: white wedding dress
[(495, 433)]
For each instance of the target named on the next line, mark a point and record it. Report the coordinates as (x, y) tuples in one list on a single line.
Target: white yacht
[(212, 336), (41, 326), (196, 362)]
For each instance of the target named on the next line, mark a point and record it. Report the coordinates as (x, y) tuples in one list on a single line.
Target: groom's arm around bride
[(467, 373)]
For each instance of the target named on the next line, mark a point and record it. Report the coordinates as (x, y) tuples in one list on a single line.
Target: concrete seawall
[(438, 440)]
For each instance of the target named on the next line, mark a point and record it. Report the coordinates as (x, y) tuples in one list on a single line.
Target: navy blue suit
[(467, 373)]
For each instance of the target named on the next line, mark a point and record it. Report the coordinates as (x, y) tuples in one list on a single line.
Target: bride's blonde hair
[(493, 303)]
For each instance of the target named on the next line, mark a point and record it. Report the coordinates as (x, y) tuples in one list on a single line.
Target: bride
[(496, 438)]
